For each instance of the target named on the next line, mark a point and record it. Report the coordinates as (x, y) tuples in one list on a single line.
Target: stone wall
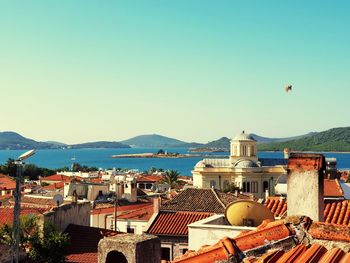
[(133, 248)]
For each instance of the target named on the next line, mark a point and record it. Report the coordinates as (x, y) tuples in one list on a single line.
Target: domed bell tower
[(243, 146)]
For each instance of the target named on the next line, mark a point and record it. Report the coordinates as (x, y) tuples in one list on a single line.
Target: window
[(244, 187), (184, 250), (248, 187), (166, 253), (254, 186), (148, 186), (212, 184), (265, 186), (100, 193), (130, 229)]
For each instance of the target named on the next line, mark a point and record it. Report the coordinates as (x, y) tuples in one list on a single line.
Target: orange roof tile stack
[(301, 253)]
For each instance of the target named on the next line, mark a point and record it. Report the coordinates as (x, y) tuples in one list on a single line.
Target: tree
[(231, 188), (48, 245), (171, 178), (9, 168)]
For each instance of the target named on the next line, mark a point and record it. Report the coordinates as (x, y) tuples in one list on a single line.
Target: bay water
[(102, 158)]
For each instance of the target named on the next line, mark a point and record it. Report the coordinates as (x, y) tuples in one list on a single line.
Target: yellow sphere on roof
[(247, 213)]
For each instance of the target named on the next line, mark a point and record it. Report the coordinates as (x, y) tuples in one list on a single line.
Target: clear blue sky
[(77, 71)]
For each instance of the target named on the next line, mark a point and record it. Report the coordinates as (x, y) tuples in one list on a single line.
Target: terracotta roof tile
[(84, 241), (7, 182), (123, 208), (202, 200), (144, 213), (175, 223), (327, 231), (54, 186), (301, 254), (149, 179), (56, 177), (332, 188), (6, 213), (271, 231), (335, 212)]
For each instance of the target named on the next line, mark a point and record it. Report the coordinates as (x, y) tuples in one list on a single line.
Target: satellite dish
[(58, 199), (247, 213), (26, 155)]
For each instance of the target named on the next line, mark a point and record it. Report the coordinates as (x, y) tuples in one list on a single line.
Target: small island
[(159, 154)]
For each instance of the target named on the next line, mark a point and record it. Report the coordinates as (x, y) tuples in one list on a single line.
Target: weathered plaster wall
[(75, 213)]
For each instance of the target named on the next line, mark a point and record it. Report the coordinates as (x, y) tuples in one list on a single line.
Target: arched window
[(116, 256)]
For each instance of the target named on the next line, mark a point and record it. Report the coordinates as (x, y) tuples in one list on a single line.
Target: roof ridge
[(217, 197)]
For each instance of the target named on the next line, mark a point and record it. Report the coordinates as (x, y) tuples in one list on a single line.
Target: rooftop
[(335, 212), (175, 223), (202, 200), (7, 182)]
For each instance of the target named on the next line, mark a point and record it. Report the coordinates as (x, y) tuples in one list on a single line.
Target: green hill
[(14, 141), (157, 141), (333, 140)]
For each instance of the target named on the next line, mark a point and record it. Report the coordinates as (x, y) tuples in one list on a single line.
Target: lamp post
[(17, 208)]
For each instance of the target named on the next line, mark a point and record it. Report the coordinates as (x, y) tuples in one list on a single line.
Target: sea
[(102, 158)]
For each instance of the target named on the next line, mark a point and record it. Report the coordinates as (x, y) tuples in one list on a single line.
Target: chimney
[(305, 185), (156, 204), (286, 152)]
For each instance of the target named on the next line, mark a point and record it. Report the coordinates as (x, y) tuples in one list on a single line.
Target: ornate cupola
[(243, 147)]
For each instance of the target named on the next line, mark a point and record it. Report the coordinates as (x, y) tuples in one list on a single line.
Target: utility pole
[(17, 208)]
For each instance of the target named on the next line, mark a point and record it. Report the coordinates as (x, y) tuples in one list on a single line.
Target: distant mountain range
[(336, 139)]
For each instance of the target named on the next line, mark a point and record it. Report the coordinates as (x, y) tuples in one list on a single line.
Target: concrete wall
[(305, 185), (75, 213), (210, 230)]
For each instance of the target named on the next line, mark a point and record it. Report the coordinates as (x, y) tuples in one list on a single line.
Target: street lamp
[(16, 211)]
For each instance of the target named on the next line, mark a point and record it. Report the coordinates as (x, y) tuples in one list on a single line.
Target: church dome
[(200, 164), (244, 137), (245, 164)]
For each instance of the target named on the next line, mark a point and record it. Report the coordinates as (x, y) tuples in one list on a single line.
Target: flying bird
[(288, 88)]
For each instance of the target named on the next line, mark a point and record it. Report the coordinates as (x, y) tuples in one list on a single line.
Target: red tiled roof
[(148, 179), (332, 188), (6, 213), (84, 241), (54, 186), (123, 208), (335, 212), (202, 200), (175, 223), (7, 183), (301, 253), (144, 213), (277, 205), (272, 232), (56, 177)]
